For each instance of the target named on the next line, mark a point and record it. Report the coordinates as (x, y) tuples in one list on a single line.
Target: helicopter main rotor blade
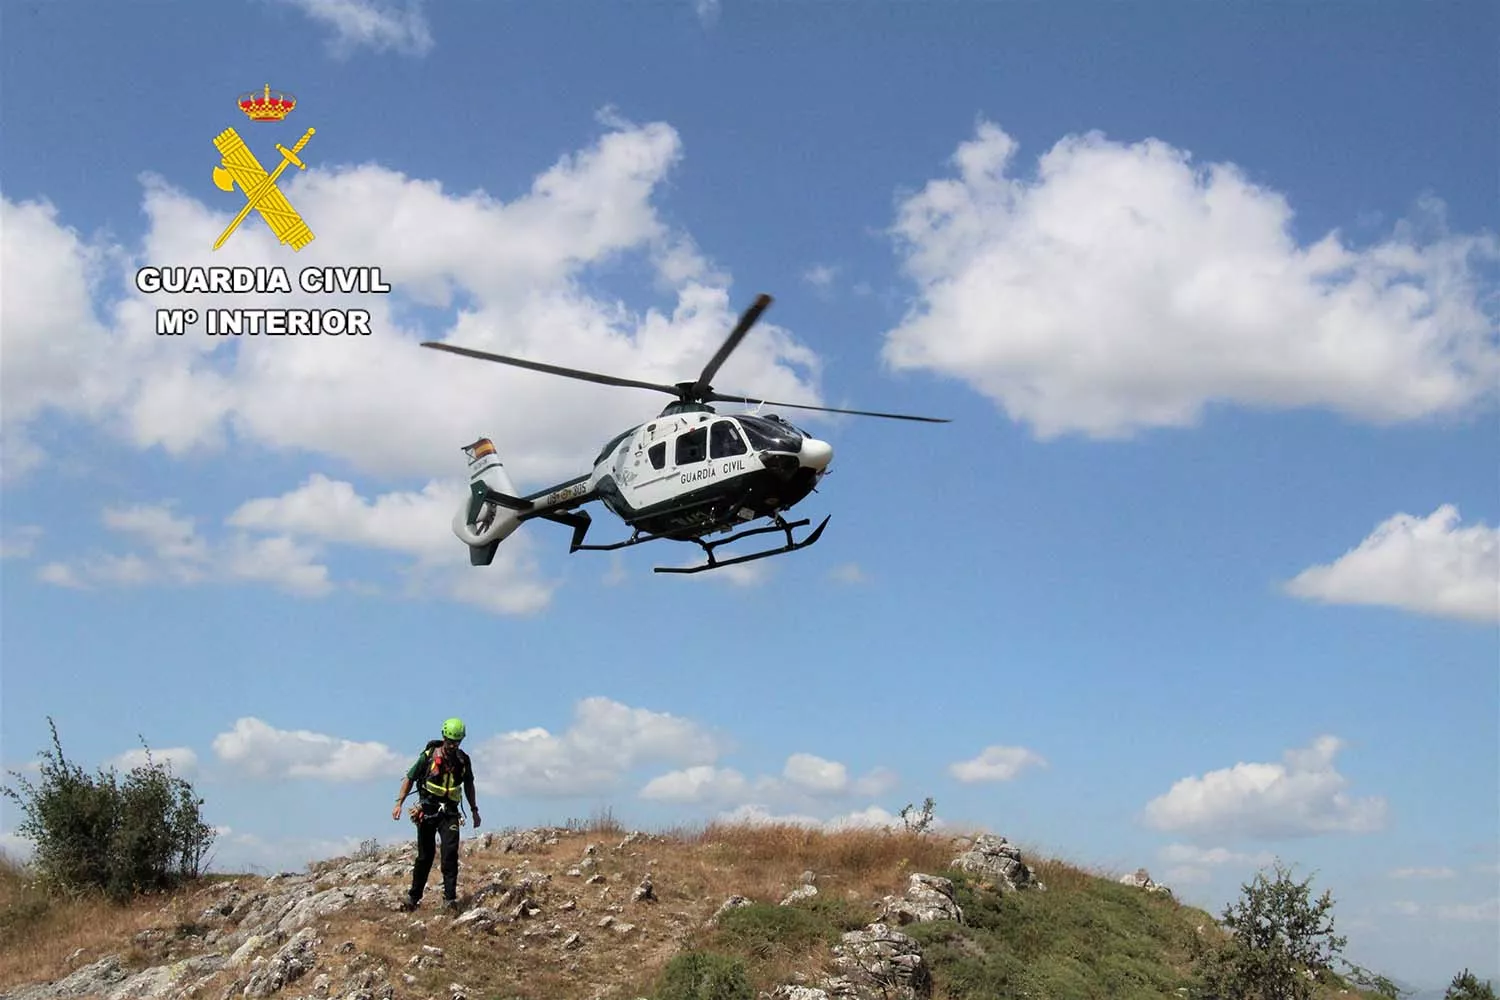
[(719, 397), (537, 366), (747, 320)]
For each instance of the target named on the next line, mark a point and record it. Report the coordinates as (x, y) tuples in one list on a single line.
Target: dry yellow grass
[(38, 933)]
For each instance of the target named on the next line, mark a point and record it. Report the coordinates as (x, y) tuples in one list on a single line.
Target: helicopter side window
[(725, 440), (658, 454), (692, 447)]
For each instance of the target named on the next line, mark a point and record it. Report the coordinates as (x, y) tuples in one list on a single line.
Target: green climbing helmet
[(454, 730)]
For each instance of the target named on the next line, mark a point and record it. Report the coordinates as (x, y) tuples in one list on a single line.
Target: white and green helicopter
[(685, 475)]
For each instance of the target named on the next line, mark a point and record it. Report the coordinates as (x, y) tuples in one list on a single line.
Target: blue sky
[(1203, 572)]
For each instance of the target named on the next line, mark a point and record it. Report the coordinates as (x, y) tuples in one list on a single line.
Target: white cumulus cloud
[(1481, 911), (815, 774), (704, 783), (1423, 873), (1425, 565), (821, 276), (234, 851), (183, 761), (805, 780), (606, 740), (1303, 795), (381, 25), (260, 750), (20, 542), (412, 524), (1189, 863), (996, 763), (171, 550), (1123, 287), (870, 818)]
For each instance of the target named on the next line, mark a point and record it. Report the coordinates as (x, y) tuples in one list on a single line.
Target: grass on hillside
[(1087, 936), (38, 932)]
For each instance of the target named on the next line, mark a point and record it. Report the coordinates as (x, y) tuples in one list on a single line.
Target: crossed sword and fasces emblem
[(261, 193)]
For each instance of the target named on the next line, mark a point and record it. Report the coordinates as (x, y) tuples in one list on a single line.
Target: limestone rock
[(879, 962), (928, 898), (1141, 879), (291, 962), (997, 861), (800, 893), (733, 902)]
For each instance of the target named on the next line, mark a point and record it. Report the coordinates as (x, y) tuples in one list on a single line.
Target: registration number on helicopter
[(567, 493)]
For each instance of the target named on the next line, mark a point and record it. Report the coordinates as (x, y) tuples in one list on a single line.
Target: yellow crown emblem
[(266, 106)]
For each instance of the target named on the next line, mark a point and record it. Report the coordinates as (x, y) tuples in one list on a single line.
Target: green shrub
[(122, 837), (704, 975), (1277, 934), (763, 930), (1466, 986)]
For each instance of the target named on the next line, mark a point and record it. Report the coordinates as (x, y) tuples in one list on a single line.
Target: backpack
[(444, 775)]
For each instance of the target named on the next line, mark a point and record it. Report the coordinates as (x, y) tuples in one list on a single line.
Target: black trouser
[(436, 820)]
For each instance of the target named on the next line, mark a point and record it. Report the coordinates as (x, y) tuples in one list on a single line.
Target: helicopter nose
[(815, 454)]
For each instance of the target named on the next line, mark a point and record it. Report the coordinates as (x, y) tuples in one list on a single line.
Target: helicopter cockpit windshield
[(770, 433)]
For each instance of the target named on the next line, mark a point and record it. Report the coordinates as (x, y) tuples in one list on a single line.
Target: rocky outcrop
[(877, 963), (108, 980), (797, 895), (998, 864), (732, 903), (291, 962), (880, 962), (927, 898), (1141, 879)]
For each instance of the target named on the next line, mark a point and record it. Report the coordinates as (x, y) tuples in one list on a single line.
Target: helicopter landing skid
[(780, 525)]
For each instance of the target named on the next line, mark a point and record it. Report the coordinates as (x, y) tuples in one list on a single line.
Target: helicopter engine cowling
[(481, 523)]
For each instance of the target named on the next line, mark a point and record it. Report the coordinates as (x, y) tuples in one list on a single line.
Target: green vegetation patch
[(1104, 940), (765, 931), (705, 975)]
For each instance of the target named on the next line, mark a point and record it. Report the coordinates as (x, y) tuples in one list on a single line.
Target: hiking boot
[(451, 905), (408, 904)]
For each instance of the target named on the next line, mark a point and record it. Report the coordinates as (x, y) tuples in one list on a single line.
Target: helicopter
[(686, 475)]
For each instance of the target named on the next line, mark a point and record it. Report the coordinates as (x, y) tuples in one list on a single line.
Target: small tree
[(1280, 940), (97, 832), (1466, 986), (918, 822)]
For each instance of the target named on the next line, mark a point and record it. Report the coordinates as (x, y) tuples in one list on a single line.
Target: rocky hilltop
[(563, 913)]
